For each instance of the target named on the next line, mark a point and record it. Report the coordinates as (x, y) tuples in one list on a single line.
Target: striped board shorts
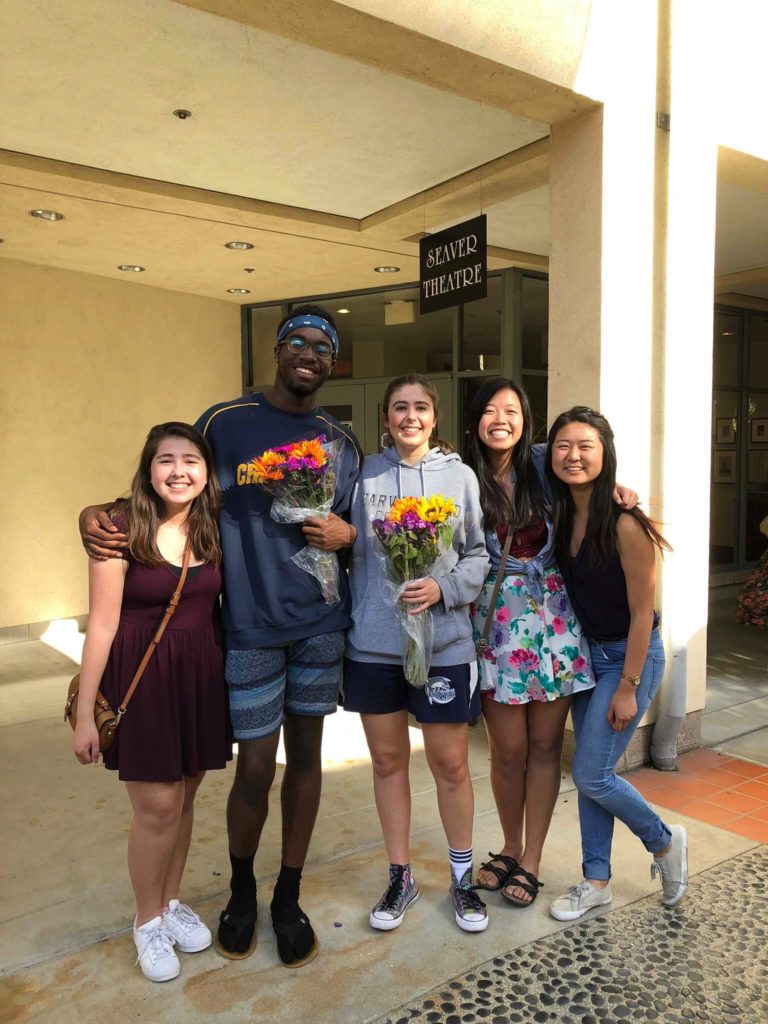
[(267, 683)]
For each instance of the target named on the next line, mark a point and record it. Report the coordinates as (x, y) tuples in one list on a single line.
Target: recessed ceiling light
[(131, 268), (46, 214), (182, 114), (342, 310), (238, 245), (239, 291), (387, 270)]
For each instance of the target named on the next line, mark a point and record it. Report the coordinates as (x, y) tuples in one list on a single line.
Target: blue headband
[(307, 320)]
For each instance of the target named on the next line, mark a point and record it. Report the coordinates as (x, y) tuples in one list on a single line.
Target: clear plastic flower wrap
[(410, 539), (302, 479)]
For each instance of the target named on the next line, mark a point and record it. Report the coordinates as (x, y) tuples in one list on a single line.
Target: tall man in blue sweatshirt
[(284, 643)]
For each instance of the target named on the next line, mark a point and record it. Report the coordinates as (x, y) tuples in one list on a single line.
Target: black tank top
[(598, 593)]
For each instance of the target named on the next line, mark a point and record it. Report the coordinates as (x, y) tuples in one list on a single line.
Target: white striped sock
[(461, 862)]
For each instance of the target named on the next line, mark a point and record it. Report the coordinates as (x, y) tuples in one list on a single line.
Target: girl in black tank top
[(608, 560)]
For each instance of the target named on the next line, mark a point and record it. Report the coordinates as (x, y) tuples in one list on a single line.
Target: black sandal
[(236, 935), (531, 885), (287, 934), (502, 874)]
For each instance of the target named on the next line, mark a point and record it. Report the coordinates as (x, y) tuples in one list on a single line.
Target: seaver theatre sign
[(453, 266)]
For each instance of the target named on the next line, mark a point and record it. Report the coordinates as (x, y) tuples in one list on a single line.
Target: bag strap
[(172, 605), (496, 589)]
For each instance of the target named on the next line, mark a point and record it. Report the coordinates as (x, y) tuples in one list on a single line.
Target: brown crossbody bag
[(482, 643), (108, 720)]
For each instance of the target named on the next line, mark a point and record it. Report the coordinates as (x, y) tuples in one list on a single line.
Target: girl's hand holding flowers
[(421, 594)]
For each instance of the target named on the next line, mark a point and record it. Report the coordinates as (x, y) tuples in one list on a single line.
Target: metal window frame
[(742, 390), (511, 340)]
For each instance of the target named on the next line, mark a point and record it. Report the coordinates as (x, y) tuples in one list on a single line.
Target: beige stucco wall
[(87, 365)]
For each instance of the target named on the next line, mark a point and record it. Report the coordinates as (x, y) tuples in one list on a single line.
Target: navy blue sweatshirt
[(268, 600)]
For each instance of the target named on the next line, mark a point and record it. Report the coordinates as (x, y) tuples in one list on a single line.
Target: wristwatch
[(635, 680)]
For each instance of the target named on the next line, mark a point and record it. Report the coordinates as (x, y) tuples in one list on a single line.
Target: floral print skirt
[(752, 602), (536, 651)]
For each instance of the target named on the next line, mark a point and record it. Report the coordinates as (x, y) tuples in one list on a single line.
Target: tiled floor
[(714, 788)]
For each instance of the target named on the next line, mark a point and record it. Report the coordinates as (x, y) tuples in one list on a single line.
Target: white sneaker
[(157, 958), (673, 868), (187, 931), (577, 900)]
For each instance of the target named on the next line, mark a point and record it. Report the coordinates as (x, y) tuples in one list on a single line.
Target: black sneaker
[(390, 910), (469, 910)]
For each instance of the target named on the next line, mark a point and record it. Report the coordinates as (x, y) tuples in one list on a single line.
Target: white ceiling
[(742, 230), (521, 222), (95, 82)]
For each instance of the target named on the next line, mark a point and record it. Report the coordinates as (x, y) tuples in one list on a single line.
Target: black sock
[(285, 900), (242, 883), (295, 936)]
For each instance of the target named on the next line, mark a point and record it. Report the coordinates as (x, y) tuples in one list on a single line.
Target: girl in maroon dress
[(176, 726)]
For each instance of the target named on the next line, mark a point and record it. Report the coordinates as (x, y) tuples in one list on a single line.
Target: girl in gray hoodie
[(374, 681)]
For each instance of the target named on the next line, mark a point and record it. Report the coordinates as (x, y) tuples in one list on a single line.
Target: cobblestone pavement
[(705, 960)]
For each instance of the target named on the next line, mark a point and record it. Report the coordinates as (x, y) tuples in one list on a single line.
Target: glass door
[(374, 398), (345, 402), (358, 408)]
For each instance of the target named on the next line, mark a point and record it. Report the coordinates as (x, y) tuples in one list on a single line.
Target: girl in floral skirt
[(537, 657)]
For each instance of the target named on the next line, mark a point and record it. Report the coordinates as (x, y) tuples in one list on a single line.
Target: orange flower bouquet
[(302, 479)]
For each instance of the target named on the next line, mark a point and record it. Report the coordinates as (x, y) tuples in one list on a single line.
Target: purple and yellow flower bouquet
[(411, 537)]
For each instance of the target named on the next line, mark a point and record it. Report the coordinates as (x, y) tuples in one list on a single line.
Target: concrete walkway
[(65, 946), (735, 719)]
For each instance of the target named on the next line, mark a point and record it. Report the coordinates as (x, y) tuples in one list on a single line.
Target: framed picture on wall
[(725, 430), (758, 431), (724, 469), (757, 468)]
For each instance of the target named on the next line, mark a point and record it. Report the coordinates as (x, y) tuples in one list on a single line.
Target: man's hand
[(101, 538), (331, 534), (421, 594)]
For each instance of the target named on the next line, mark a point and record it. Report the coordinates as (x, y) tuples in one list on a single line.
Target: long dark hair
[(600, 536), (527, 501), (144, 507), (429, 388)]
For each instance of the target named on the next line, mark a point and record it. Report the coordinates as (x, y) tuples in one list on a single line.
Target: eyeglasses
[(322, 349)]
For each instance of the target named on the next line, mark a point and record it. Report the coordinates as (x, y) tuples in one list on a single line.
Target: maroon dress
[(177, 721)]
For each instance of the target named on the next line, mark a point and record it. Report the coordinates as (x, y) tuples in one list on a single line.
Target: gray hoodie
[(376, 635)]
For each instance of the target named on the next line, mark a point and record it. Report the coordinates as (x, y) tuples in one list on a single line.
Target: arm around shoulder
[(100, 537)]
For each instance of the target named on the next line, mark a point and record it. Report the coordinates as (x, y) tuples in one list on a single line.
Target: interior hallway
[(67, 954), (735, 717)]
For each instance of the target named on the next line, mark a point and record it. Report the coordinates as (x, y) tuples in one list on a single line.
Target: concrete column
[(632, 228), (601, 260), (684, 299)]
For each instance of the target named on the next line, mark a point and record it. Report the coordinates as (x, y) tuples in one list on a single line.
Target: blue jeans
[(603, 795)]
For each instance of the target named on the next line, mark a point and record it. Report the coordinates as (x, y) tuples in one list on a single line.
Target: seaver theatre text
[(453, 266)]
